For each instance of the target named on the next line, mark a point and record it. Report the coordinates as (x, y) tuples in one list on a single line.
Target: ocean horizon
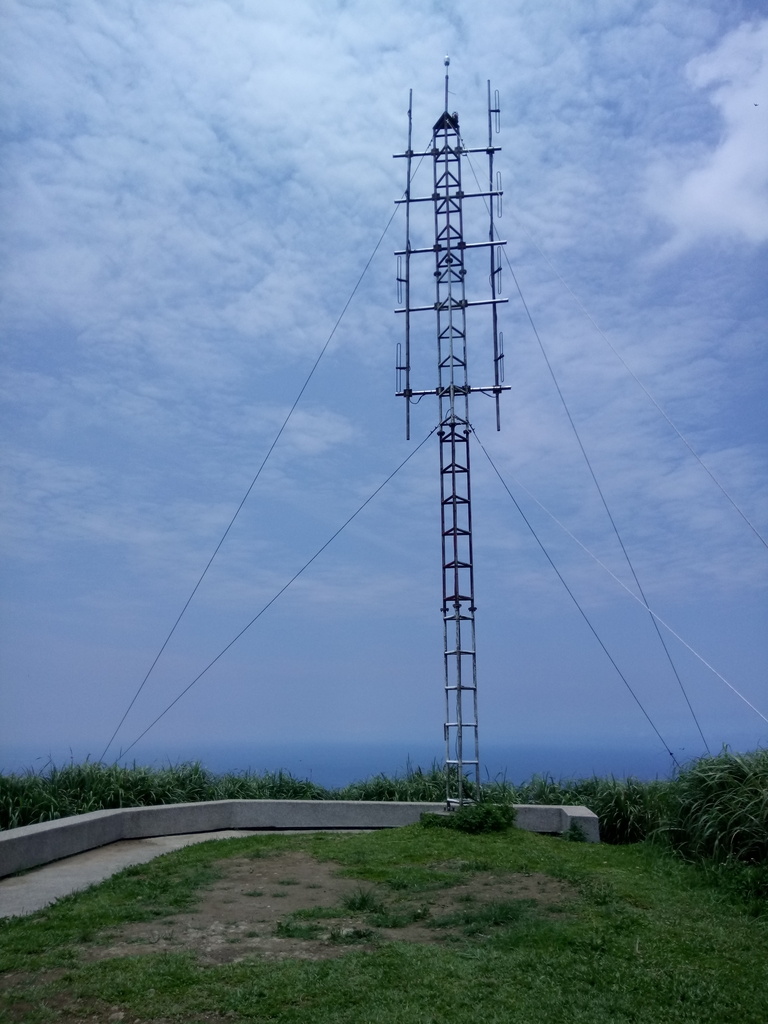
[(339, 764)]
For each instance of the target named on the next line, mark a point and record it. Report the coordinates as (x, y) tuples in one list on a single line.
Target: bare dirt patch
[(290, 905), (19, 979)]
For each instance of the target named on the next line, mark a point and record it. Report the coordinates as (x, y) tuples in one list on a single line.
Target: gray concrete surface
[(34, 845), (558, 818)]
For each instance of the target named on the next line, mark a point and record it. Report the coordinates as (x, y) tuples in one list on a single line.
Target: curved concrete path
[(24, 894)]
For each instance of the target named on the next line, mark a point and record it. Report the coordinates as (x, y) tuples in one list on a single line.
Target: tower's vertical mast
[(460, 663), (462, 757)]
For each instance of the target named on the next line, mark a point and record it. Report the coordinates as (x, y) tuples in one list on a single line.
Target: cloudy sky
[(190, 192)]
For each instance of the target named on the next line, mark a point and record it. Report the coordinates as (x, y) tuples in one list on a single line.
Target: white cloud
[(724, 192)]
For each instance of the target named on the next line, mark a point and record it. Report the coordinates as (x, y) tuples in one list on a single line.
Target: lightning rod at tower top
[(442, 236)]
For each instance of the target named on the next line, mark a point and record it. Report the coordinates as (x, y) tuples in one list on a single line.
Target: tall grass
[(417, 784), (714, 810), (32, 797), (719, 809), (629, 810)]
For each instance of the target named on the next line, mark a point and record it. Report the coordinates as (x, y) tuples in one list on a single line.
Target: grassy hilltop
[(665, 923)]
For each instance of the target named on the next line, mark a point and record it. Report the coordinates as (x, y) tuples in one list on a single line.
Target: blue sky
[(190, 191)]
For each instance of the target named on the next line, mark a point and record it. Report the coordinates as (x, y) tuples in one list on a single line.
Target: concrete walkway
[(24, 894)]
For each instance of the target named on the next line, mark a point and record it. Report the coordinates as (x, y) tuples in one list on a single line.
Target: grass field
[(638, 936)]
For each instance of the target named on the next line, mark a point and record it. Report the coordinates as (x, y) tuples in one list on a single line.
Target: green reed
[(57, 792)]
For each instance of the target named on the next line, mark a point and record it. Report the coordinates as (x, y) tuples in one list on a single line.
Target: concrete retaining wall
[(32, 845)]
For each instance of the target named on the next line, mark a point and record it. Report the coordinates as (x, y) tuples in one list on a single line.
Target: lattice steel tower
[(462, 755)]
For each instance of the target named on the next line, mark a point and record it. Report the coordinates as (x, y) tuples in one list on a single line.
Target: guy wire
[(634, 597), (575, 600), (279, 593)]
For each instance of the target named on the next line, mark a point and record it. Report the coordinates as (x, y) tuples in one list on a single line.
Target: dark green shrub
[(575, 833), (364, 901), (474, 818)]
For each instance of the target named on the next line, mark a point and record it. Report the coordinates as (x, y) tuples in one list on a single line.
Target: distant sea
[(338, 764), (341, 764)]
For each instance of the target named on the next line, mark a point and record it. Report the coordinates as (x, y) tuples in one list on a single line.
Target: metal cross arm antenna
[(496, 389), (450, 252), (456, 303), (464, 245), (450, 197), (463, 150)]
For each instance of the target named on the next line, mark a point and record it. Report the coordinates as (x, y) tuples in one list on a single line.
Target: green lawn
[(644, 939)]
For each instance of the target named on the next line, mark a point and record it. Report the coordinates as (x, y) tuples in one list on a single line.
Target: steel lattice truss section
[(460, 657), (453, 389)]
